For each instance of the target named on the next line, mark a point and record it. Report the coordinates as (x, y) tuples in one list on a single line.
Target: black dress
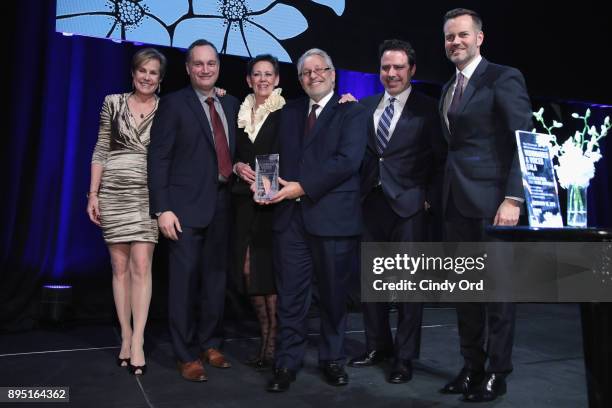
[(253, 222)]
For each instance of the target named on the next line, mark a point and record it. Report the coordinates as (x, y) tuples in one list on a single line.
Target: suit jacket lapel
[(472, 84), (323, 118), (231, 124), (371, 127), (196, 106), (445, 88), (405, 115)]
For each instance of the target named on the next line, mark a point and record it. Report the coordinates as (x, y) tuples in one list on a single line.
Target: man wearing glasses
[(317, 219)]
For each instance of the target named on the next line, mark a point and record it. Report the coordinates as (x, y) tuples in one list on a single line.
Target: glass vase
[(577, 206)]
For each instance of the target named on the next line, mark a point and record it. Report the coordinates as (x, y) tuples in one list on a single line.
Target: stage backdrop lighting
[(237, 27)]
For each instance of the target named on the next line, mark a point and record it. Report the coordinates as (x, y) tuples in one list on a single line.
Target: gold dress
[(121, 150)]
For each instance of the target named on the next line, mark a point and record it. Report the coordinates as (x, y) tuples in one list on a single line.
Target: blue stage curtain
[(56, 87)]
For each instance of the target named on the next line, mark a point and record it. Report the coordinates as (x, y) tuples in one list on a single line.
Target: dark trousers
[(476, 319), (197, 277), (382, 224), (300, 257)]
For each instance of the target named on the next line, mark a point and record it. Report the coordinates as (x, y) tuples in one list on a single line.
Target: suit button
[(381, 159)]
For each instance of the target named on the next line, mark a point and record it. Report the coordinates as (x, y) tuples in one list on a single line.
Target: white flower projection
[(237, 27)]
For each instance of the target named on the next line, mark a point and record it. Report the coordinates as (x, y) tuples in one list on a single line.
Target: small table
[(596, 317)]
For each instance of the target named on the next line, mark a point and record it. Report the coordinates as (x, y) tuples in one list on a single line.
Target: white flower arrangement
[(577, 156)]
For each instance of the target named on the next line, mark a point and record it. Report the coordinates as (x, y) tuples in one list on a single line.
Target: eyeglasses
[(319, 71)]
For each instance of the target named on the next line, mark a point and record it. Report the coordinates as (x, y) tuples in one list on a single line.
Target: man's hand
[(169, 225), (508, 213), (290, 191), (347, 97)]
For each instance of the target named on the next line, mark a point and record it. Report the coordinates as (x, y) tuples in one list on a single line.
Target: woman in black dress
[(254, 272)]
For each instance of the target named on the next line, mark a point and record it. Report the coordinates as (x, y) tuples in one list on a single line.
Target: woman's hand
[(245, 172), (93, 209)]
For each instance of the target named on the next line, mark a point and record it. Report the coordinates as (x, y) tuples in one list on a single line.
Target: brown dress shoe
[(214, 357), (193, 371)]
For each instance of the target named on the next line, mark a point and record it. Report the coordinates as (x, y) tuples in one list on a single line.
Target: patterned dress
[(121, 150)]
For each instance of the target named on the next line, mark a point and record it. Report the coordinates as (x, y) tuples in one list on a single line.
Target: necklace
[(141, 115)]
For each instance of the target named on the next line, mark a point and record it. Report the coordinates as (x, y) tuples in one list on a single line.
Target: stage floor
[(548, 367)]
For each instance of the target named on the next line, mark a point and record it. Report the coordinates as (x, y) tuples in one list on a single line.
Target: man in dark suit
[(481, 108), (317, 219), (189, 164), (401, 180)]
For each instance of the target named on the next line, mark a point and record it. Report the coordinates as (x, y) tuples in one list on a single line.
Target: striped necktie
[(384, 124)]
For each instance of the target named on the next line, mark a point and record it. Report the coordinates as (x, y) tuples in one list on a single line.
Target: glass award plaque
[(541, 195), (266, 176)]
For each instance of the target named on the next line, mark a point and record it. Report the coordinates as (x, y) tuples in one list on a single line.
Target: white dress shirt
[(321, 103)]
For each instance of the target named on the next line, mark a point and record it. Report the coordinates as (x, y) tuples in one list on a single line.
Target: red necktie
[(312, 118), (223, 154)]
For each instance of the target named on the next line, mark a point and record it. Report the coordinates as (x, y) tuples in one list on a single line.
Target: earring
[(158, 90)]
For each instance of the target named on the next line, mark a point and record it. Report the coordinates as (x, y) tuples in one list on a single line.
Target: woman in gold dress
[(118, 199)]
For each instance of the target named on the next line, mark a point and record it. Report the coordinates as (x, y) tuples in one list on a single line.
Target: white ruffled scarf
[(273, 103)]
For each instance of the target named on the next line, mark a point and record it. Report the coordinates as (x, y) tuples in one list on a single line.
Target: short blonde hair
[(142, 56)]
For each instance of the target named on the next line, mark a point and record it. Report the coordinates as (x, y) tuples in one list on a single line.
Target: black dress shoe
[(335, 374), (401, 372), (283, 377), (493, 386), (370, 358), (466, 382)]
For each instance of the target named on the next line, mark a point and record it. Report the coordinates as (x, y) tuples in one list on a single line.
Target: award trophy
[(266, 176), (541, 194)]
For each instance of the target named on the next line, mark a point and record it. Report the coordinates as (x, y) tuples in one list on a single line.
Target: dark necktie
[(457, 95), (312, 118), (224, 160), (384, 123)]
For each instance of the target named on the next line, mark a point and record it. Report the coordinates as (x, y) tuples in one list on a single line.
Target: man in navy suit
[(317, 219), (401, 181), (189, 164), (481, 108)]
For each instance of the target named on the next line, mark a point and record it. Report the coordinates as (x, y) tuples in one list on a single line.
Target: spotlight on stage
[(56, 304)]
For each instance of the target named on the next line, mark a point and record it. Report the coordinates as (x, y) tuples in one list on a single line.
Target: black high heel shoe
[(260, 364), (123, 362), (142, 368)]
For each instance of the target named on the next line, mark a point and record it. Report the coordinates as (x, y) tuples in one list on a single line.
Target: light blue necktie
[(382, 130)]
